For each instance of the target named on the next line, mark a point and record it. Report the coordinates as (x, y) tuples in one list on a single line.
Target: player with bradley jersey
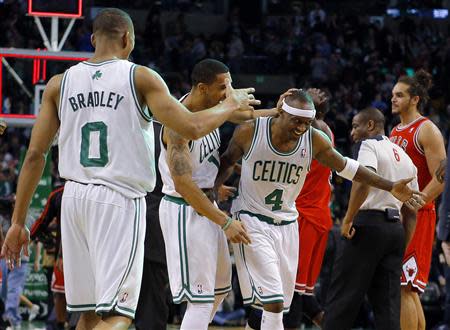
[(423, 142)]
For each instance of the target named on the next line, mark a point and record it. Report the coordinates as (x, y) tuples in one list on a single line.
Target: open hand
[(402, 192), (16, 239), (319, 97), (243, 99)]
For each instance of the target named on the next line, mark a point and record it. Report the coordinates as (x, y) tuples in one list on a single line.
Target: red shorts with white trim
[(58, 280), (417, 259), (313, 242)]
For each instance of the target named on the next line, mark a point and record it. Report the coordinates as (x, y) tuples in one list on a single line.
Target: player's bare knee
[(274, 308)]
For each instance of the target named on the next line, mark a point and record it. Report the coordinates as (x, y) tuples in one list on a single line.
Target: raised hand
[(237, 233), (243, 99), (16, 239), (319, 97)]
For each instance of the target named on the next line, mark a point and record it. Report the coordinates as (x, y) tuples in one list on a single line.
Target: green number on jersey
[(274, 198), (86, 131)]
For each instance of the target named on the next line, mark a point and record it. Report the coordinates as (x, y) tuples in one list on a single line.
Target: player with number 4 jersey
[(276, 155)]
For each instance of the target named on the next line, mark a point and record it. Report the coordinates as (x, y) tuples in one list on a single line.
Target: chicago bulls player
[(423, 142)]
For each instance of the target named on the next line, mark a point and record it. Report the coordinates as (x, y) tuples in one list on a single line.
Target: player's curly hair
[(419, 85)]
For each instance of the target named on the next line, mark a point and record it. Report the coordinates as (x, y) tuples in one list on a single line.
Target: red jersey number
[(396, 155)]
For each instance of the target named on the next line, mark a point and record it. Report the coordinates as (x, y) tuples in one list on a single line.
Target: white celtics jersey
[(205, 162), (271, 180), (105, 137)]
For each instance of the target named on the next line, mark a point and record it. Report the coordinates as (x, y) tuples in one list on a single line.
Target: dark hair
[(112, 22), (206, 71), (300, 96), (419, 85), (373, 114)]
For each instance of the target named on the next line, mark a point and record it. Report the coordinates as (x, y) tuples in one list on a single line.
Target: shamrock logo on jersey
[(97, 75)]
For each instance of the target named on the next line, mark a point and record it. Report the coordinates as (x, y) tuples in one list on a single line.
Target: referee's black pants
[(370, 263), (153, 307)]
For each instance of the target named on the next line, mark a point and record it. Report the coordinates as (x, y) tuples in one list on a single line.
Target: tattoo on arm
[(178, 157)]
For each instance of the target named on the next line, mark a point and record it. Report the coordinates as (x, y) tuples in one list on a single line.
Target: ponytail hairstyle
[(419, 85)]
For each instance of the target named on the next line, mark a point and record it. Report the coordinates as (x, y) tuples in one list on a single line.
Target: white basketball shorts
[(198, 259), (103, 249), (267, 267)]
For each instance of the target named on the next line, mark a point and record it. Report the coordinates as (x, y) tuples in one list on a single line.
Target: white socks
[(272, 321), (197, 316)]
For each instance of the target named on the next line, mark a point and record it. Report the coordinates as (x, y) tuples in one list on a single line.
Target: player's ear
[(415, 100), (203, 88), (93, 40), (370, 125), (126, 39)]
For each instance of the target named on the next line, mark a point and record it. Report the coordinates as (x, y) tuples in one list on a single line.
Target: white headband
[(298, 112)]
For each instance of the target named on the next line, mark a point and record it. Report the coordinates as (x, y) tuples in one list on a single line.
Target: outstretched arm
[(179, 161), (154, 92), (328, 156)]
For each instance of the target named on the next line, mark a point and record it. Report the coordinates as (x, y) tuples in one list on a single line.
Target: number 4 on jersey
[(275, 199)]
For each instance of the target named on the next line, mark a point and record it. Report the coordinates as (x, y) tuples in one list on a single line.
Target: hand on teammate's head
[(284, 95)]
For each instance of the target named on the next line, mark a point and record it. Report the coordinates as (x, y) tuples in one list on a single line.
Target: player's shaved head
[(206, 71), (112, 22), (299, 97), (373, 114)]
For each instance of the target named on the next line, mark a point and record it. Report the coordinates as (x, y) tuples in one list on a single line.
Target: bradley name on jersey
[(95, 100), (282, 172)]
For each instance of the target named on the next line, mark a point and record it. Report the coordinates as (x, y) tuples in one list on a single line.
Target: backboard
[(55, 8), (23, 75)]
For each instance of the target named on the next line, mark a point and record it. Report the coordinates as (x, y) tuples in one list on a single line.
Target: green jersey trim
[(61, 93), (176, 200), (255, 135), (144, 112), (269, 220), (100, 63)]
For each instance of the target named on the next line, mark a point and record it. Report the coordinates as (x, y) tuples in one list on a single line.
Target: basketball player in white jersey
[(276, 154), (101, 108), (195, 230)]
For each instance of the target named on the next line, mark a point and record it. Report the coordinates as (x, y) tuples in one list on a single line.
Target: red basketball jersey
[(313, 202), (407, 138)]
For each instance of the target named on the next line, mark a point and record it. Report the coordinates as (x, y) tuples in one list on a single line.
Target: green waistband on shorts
[(176, 200), (267, 219)]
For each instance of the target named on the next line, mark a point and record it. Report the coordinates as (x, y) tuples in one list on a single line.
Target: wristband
[(350, 169), (227, 224)]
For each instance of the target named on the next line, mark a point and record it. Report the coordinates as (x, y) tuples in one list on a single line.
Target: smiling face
[(215, 92), (295, 126)]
